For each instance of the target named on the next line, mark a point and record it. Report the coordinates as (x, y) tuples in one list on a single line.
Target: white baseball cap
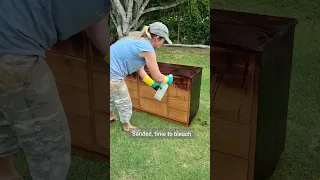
[(161, 30)]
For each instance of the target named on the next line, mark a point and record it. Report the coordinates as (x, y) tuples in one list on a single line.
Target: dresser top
[(178, 70), (246, 31)]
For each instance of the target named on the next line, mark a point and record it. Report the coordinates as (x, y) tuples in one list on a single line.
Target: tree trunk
[(127, 15)]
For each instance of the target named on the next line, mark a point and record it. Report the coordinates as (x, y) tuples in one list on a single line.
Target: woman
[(129, 55), (32, 117)]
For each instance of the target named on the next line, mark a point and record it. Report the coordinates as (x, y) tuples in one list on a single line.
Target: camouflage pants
[(120, 99), (32, 116)]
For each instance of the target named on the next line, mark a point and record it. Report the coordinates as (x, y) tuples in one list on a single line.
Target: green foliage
[(195, 21), (113, 31)]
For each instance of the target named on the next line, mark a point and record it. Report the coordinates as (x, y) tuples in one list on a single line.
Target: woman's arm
[(153, 66), (99, 33), (142, 73), (145, 78)]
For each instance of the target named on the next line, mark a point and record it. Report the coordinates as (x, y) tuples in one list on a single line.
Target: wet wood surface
[(246, 31), (177, 70), (82, 78), (250, 67)]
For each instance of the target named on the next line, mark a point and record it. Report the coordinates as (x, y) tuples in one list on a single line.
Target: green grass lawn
[(301, 158), (80, 169), (151, 158)]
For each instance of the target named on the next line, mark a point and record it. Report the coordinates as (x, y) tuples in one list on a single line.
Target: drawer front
[(230, 138), (131, 79), (178, 104), (73, 46), (74, 100), (80, 128), (102, 130), (131, 84), (231, 95), (133, 93), (153, 106), (180, 89), (179, 94), (227, 167), (98, 63), (135, 103), (178, 115), (148, 92), (68, 70), (101, 92)]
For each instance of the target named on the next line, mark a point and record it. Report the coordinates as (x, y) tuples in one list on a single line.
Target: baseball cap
[(161, 30)]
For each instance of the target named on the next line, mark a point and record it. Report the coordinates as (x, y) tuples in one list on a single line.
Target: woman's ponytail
[(143, 33)]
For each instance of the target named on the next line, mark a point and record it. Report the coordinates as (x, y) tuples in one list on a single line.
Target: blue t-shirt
[(31, 27), (124, 56)]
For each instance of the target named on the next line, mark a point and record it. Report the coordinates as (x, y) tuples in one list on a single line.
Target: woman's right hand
[(168, 79)]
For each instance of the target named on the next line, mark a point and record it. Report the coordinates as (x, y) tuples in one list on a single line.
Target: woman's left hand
[(156, 86)]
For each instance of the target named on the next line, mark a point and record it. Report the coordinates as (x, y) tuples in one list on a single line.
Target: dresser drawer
[(133, 93), (133, 78), (80, 128), (178, 115), (101, 92), (227, 167), (230, 138), (148, 92), (74, 100), (180, 89), (98, 64), (68, 70), (102, 130), (73, 46), (231, 94), (179, 94), (135, 103), (131, 83), (174, 102), (153, 106)]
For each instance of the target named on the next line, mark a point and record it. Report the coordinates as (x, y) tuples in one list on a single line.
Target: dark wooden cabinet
[(82, 78), (251, 57), (180, 104)]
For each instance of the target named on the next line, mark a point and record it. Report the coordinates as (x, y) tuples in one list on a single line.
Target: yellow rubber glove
[(151, 83)]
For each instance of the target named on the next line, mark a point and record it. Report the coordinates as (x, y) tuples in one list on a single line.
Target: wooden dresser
[(82, 78), (251, 57), (180, 104)]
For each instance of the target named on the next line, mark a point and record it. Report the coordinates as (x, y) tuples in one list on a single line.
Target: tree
[(128, 15), (191, 25)]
